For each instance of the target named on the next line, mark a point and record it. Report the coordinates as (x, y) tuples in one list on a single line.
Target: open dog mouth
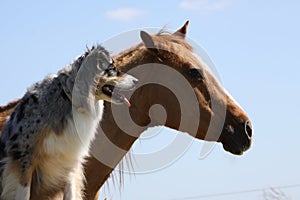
[(115, 94)]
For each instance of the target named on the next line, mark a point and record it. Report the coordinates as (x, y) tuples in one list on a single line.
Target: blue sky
[(254, 44)]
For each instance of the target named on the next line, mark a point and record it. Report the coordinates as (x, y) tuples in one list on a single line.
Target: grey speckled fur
[(47, 105)]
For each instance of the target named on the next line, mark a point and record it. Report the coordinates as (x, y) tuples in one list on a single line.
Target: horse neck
[(148, 95), (114, 133), (108, 149), (111, 136)]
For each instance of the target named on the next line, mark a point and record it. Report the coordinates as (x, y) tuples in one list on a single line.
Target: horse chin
[(233, 150), (236, 146)]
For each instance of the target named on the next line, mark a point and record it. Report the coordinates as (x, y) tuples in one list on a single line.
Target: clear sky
[(255, 46)]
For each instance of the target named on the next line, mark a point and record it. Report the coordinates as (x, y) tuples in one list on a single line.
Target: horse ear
[(147, 39), (182, 31)]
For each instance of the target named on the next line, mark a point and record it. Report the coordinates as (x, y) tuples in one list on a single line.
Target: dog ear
[(147, 40), (182, 31)]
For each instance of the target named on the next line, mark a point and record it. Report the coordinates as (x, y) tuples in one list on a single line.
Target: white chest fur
[(66, 151), (76, 136)]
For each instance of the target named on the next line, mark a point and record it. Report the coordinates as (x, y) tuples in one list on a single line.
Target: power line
[(234, 193)]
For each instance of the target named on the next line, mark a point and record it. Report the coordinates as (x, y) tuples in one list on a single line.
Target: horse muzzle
[(237, 139)]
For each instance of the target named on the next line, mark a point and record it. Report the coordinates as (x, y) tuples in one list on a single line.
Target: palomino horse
[(170, 50)]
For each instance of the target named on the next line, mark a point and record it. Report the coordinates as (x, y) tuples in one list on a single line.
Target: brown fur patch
[(6, 111)]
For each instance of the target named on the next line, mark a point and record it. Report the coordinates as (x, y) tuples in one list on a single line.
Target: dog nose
[(248, 128), (135, 81)]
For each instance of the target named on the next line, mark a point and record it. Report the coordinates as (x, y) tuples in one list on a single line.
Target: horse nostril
[(248, 128)]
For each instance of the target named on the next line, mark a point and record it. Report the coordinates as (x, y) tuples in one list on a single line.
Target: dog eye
[(110, 67), (196, 73)]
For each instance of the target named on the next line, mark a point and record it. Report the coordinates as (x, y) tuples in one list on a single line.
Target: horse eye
[(196, 73)]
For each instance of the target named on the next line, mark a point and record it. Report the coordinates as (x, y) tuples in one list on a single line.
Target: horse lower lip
[(234, 149)]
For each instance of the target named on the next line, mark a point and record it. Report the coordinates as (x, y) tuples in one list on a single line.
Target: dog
[(47, 137)]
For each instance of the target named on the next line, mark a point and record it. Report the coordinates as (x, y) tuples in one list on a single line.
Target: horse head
[(209, 111)]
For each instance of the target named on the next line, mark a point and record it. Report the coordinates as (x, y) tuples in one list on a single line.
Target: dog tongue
[(122, 97), (126, 101)]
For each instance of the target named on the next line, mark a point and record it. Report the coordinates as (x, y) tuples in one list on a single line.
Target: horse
[(221, 119)]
